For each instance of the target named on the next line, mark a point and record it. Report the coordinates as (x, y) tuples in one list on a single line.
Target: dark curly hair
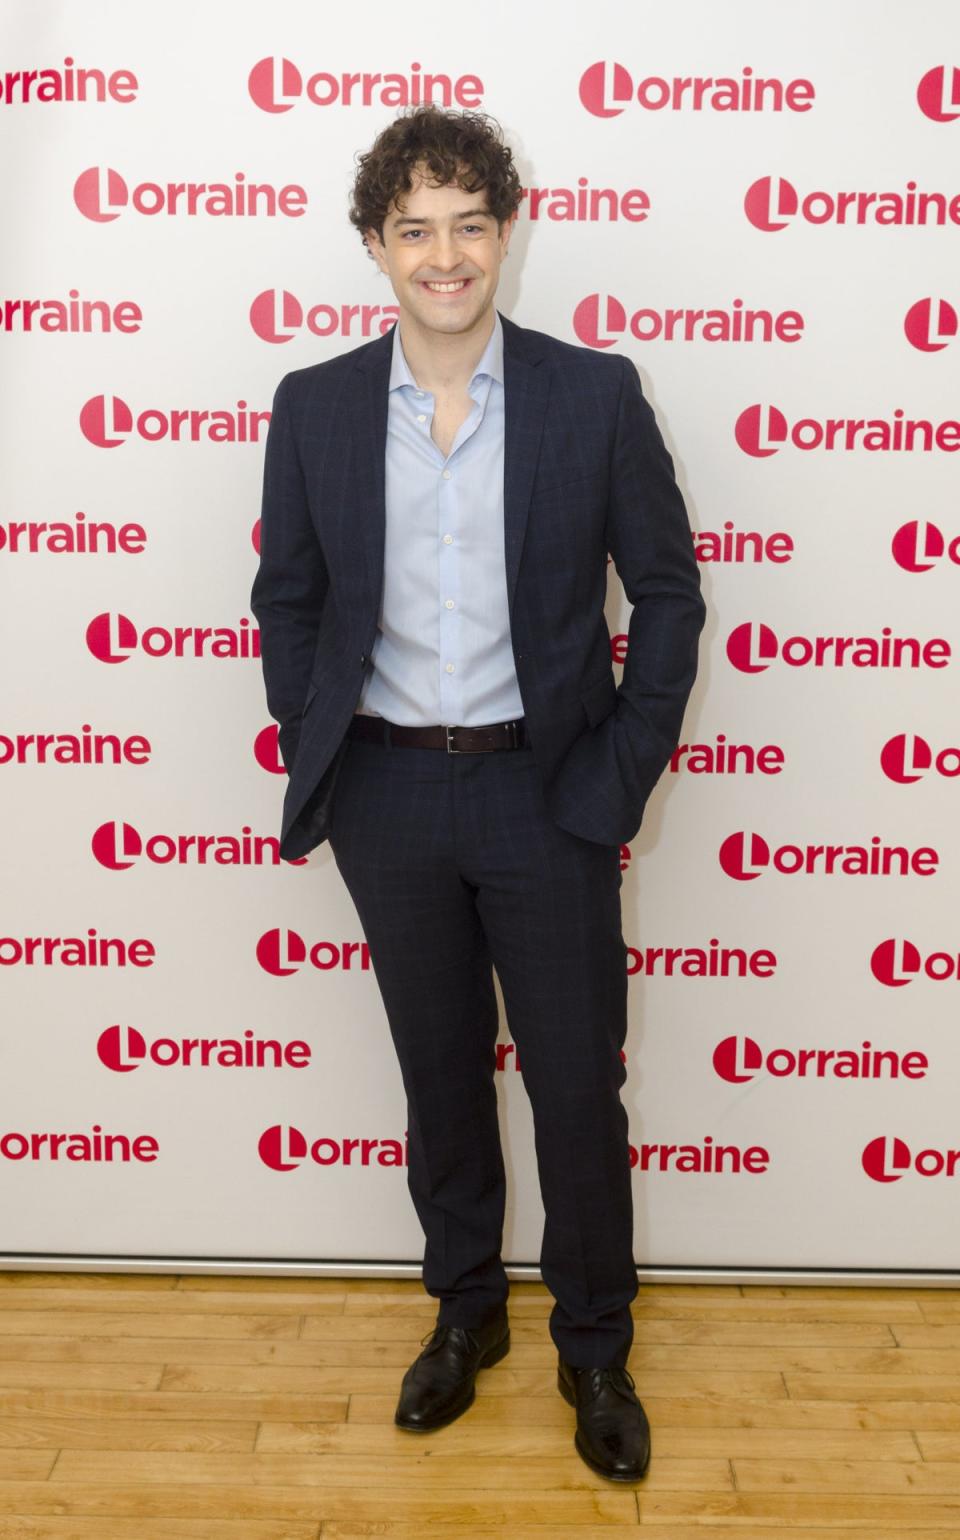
[(466, 148)]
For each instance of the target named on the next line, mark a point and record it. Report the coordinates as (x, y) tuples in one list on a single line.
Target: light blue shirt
[(442, 653)]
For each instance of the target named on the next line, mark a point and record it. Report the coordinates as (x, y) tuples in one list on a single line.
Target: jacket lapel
[(526, 388), (526, 379)]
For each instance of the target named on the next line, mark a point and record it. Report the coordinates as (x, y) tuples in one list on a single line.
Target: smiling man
[(438, 506)]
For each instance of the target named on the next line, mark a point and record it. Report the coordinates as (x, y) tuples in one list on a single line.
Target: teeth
[(447, 288)]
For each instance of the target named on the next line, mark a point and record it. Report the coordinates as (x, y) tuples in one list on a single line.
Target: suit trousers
[(455, 869)]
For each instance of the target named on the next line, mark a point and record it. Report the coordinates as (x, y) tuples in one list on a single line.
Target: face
[(442, 252)]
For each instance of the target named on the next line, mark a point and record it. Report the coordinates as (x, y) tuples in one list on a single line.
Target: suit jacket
[(586, 472)]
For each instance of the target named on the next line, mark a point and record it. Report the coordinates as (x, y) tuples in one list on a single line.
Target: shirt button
[(418, 394), (446, 475), (448, 539), (421, 417), (448, 604), (449, 668)]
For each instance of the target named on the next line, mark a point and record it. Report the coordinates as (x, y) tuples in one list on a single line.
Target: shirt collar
[(490, 362)]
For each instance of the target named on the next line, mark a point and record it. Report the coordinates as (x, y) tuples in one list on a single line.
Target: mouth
[(449, 288)]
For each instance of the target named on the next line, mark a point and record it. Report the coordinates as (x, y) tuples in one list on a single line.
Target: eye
[(478, 229)]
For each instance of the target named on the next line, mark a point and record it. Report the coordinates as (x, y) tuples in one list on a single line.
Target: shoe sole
[(491, 1356), (587, 1459)]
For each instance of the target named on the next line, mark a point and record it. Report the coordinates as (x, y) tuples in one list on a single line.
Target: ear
[(375, 245)]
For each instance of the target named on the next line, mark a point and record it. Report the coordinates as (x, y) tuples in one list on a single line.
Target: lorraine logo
[(286, 1148), (919, 545), (740, 1059), (907, 758), (276, 85), (938, 94), (595, 330), (113, 638), (608, 89), (771, 203), (739, 323), (123, 1049), (896, 963), (888, 1159), (284, 952), (746, 856), (753, 646), (605, 89), (930, 324), (276, 315), (102, 194), (107, 421), (760, 431), (118, 846), (266, 750)]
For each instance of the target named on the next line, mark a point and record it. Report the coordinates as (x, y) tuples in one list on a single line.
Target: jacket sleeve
[(291, 581), (648, 536)]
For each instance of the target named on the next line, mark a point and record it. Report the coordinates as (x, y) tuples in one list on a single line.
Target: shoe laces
[(614, 1376), (433, 1337)]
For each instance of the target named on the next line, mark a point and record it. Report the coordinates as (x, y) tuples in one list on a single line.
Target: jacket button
[(363, 660)]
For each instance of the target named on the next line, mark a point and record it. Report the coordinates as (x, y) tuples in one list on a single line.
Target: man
[(438, 507)]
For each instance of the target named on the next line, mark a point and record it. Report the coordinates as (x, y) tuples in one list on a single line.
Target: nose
[(446, 254)]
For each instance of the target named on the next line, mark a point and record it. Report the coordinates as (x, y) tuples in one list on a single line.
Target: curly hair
[(465, 148)]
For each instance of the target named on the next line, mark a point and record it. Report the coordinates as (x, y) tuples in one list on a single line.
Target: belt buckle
[(450, 746)]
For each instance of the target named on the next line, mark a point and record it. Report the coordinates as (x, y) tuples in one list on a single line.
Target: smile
[(447, 288)]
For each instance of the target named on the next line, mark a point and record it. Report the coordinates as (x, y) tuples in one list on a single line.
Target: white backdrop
[(123, 304)]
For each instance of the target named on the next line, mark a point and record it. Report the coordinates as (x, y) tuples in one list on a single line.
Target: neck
[(444, 361)]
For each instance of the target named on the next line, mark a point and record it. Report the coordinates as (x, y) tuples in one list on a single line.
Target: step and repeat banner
[(762, 210)]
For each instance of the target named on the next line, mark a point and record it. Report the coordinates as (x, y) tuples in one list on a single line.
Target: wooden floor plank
[(884, 1515), (409, 1470), (390, 1531), (252, 1301), (465, 1506), (139, 1323), (873, 1387), (58, 1527), (126, 1432), (929, 1479)]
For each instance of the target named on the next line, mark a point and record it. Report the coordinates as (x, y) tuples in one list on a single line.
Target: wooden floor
[(146, 1407)]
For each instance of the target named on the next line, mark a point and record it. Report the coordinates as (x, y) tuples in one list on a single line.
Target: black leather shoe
[(613, 1434), (439, 1385)]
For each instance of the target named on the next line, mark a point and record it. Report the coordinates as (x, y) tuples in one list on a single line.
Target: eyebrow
[(464, 214)]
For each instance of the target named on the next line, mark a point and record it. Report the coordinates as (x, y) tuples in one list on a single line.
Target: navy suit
[(585, 472), (506, 859)]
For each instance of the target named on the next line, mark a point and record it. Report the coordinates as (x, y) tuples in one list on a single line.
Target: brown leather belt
[(456, 740)]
